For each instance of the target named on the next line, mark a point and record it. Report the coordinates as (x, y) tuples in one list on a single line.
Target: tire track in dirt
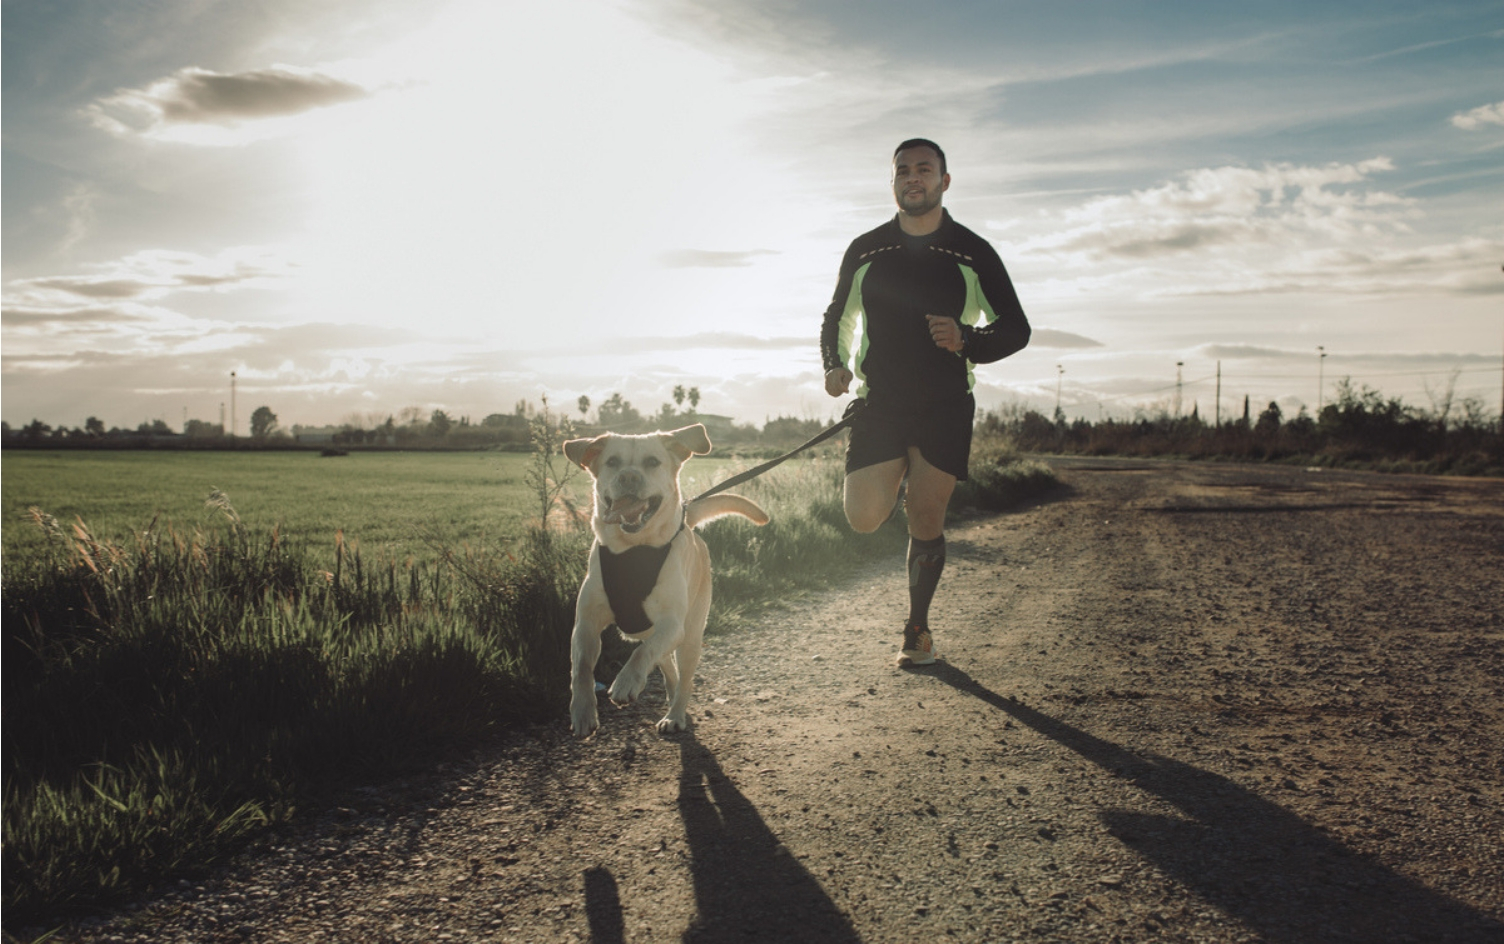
[(1176, 703)]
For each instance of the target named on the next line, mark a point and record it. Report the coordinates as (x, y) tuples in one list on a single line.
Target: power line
[(1397, 373), (1227, 379)]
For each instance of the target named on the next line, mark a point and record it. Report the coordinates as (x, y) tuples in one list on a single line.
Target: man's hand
[(837, 381), (946, 333)]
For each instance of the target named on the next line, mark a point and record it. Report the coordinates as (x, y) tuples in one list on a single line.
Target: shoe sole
[(912, 657)]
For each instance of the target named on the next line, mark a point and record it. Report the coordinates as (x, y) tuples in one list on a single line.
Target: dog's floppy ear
[(686, 442), (582, 452)]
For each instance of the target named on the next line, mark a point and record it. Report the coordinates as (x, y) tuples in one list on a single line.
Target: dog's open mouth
[(631, 512)]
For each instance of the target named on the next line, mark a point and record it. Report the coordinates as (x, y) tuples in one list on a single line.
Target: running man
[(919, 301)]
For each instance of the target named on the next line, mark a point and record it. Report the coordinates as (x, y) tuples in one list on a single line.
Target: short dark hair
[(923, 142)]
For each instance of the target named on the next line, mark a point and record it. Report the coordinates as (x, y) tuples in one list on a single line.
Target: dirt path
[(1179, 703)]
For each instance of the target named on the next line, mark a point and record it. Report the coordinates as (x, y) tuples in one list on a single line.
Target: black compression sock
[(926, 561)]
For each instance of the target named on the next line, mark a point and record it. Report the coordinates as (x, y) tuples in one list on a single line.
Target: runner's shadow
[(1252, 858), (747, 886)]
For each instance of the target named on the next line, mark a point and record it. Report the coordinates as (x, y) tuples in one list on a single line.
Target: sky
[(361, 207)]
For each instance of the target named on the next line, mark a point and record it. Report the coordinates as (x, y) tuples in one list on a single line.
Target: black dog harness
[(629, 577)]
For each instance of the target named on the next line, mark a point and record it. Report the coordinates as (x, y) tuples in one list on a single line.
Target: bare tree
[(549, 473), (1441, 403)]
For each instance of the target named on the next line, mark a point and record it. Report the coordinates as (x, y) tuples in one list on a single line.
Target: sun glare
[(520, 198)]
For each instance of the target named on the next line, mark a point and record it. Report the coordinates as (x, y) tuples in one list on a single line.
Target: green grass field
[(384, 501)]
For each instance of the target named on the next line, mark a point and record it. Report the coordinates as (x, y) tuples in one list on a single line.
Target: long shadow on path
[(603, 907), (1251, 858), (747, 887)]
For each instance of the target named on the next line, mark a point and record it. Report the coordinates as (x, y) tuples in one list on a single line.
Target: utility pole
[(232, 404), (1059, 375), (1320, 379), (1178, 366), (1218, 411)]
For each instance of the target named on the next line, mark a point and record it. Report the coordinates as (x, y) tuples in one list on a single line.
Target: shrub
[(999, 478)]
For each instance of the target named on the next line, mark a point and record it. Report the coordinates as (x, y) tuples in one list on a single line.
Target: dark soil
[(1176, 702)]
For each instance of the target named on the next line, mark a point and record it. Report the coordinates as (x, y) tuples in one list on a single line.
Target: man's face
[(917, 181)]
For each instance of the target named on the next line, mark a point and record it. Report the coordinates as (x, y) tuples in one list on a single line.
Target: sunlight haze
[(369, 205)]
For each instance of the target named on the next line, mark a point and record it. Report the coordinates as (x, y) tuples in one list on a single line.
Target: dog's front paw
[(627, 687), (671, 723), (583, 717)]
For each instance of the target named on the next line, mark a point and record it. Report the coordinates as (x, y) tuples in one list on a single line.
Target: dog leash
[(752, 473)]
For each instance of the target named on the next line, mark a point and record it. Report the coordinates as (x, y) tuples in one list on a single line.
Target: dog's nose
[(629, 480)]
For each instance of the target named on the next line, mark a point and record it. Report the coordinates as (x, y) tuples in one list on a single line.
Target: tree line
[(418, 428), (1360, 427)]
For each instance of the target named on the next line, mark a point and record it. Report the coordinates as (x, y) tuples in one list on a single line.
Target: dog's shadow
[(1272, 870), (747, 885), (603, 907)]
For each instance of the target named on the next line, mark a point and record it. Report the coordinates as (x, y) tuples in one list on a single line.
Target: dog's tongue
[(626, 511)]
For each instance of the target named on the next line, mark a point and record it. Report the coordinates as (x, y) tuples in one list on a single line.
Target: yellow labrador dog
[(649, 572)]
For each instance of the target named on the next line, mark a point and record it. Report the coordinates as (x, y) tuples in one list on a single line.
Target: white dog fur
[(637, 503)]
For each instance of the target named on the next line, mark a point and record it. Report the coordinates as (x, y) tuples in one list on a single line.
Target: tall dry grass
[(170, 696), (167, 698)]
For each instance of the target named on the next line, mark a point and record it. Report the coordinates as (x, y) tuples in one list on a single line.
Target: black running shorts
[(941, 431)]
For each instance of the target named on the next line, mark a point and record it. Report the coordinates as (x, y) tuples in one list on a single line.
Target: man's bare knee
[(864, 520), (865, 525), (869, 494)]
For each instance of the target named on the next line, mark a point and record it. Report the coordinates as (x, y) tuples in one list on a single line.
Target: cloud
[(1433, 44), (1461, 267), (1235, 352), (155, 273), (337, 339), (1388, 361), (1049, 337), (711, 259), (26, 316), (705, 340), (1317, 229), (1219, 206), (1480, 116), (197, 97), (119, 327)]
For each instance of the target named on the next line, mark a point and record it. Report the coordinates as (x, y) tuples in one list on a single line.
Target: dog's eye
[(613, 462), (651, 462)]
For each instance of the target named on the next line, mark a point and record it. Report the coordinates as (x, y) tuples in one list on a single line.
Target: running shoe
[(918, 646)]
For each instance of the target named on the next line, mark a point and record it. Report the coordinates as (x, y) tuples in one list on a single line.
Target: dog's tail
[(701, 510)]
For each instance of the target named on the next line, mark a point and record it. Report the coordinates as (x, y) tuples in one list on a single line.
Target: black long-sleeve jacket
[(889, 281)]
